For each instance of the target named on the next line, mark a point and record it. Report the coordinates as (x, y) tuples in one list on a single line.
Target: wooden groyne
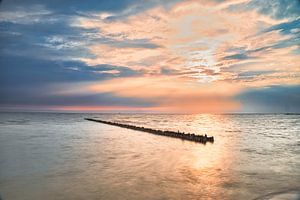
[(181, 135)]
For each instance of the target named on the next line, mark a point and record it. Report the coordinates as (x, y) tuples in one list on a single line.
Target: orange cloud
[(169, 93), (195, 39), (192, 35)]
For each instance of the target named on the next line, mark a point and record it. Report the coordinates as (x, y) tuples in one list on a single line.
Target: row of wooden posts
[(184, 136)]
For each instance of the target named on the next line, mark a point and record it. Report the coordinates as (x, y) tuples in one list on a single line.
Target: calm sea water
[(62, 156)]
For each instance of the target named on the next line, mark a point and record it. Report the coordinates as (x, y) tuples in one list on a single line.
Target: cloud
[(27, 81), (119, 7), (286, 27), (190, 56), (238, 57), (290, 28), (49, 41), (195, 40), (40, 98), (18, 71), (280, 9), (271, 99), (168, 93), (31, 15), (32, 83)]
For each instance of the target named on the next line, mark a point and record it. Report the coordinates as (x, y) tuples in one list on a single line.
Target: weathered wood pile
[(181, 135)]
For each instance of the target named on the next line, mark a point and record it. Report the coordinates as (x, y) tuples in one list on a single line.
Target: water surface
[(62, 156)]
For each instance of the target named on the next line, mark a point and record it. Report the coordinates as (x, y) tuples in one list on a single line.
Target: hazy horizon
[(137, 112)]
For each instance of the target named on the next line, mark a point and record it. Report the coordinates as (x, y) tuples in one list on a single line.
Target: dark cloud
[(37, 97), (167, 71), (255, 73), (271, 99), (291, 28), (27, 81), (77, 6), (251, 76), (70, 6), (138, 43), (16, 71), (286, 27), (239, 56), (39, 43), (38, 40), (278, 9), (58, 39)]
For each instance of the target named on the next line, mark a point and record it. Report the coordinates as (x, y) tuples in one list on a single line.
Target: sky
[(188, 56)]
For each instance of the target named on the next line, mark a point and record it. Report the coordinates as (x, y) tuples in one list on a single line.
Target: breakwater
[(184, 136)]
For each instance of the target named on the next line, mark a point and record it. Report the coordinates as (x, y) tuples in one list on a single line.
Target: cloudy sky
[(150, 55)]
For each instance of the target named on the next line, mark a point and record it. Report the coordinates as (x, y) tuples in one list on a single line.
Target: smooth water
[(62, 156)]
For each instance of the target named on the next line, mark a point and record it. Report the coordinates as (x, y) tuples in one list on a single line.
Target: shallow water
[(62, 156)]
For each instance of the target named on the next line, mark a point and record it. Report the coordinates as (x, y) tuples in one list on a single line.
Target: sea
[(58, 156)]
